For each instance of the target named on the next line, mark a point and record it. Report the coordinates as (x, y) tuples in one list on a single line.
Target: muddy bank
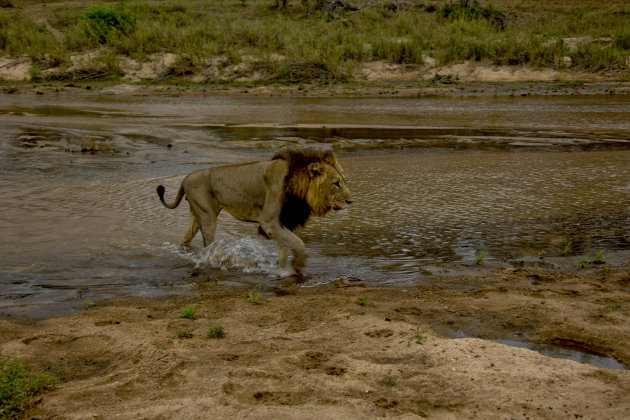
[(438, 87), (346, 350)]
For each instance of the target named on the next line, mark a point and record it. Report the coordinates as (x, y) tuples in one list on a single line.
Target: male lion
[(280, 195)]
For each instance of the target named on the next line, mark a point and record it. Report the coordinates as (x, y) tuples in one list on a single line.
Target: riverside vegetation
[(324, 41)]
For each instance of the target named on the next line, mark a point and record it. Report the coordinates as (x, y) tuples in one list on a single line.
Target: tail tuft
[(160, 191)]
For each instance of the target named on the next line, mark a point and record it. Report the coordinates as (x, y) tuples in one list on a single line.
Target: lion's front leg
[(287, 240), (275, 175), (283, 256)]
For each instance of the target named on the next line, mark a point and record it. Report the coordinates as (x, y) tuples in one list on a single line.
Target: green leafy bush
[(100, 23)]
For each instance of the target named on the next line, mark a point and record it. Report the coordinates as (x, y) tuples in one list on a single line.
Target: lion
[(280, 195)]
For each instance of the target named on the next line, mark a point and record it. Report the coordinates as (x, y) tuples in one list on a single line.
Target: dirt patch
[(307, 351)]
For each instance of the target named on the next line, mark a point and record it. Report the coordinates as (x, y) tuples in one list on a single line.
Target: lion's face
[(328, 190)]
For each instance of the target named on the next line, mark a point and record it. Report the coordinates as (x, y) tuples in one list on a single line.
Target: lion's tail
[(178, 199)]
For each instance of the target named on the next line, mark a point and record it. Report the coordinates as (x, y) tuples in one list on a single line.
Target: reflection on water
[(583, 355), (80, 211), (558, 352)]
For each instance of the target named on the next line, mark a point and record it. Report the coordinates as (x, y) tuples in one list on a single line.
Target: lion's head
[(315, 185)]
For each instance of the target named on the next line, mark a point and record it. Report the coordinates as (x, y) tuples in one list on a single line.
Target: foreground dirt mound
[(343, 351)]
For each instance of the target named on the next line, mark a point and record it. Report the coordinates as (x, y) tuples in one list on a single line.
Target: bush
[(100, 23), (472, 10), (622, 41)]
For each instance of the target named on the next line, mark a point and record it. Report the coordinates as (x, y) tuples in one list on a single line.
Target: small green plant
[(254, 296), (584, 261), (20, 387), (365, 301), (612, 306), (80, 292), (567, 249), (185, 333), (388, 381), (189, 312), (600, 258), (418, 336), (216, 332), (480, 257)]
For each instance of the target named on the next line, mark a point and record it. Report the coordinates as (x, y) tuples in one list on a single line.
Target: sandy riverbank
[(319, 353)]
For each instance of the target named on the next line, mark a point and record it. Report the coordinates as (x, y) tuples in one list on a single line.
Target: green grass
[(20, 387), (480, 257), (389, 381), (302, 43), (418, 337), (254, 297), (584, 261), (600, 258), (567, 249), (216, 332), (185, 333), (189, 312), (365, 301), (612, 306)]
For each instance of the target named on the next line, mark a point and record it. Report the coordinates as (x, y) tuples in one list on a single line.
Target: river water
[(435, 182)]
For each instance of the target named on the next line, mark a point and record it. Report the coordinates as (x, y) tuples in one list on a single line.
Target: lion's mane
[(303, 195)]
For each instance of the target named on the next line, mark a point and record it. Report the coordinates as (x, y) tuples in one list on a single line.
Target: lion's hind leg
[(193, 228), (206, 219)]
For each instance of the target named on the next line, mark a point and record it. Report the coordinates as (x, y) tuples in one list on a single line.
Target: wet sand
[(344, 351)]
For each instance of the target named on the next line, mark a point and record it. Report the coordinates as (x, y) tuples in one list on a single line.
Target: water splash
[(244, 254)]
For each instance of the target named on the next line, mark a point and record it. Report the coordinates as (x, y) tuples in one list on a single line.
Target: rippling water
[(435, 181)]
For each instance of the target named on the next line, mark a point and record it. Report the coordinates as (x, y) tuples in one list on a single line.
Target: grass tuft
[(365, 301), (189, 312), (584, 261), (418, 337), (20, 387), (567, 249), (480, 257), (254, 297), (388, 381), (185, 333), (216, 332)]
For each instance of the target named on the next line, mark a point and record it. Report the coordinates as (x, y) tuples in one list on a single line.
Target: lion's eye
[(337, 184)]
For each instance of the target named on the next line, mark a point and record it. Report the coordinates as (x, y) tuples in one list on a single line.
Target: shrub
[(472, 10), (622, 41), (100, 23)]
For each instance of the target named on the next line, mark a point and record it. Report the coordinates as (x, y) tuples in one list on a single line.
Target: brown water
[(435, 181)]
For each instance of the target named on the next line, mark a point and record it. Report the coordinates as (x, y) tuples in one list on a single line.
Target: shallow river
[(435, 182)]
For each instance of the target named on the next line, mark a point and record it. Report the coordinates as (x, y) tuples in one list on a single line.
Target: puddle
[(562, 350)]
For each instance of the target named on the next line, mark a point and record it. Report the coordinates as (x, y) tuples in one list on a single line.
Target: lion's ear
[(316, 169)]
